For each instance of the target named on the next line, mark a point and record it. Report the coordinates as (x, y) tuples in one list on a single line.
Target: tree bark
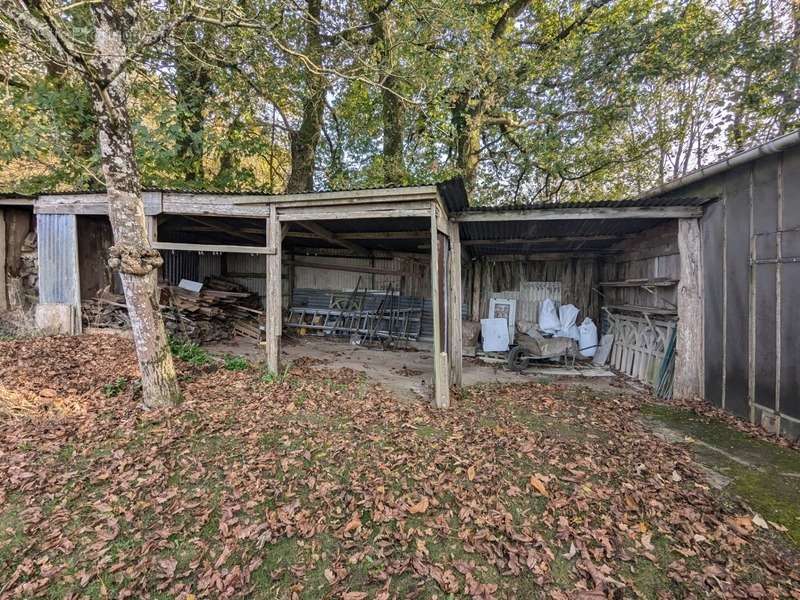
[(193, 85), (137, 262), (392, 109), (468, 123), (304, 141)]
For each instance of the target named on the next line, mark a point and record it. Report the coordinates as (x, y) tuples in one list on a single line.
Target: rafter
[(331, 237)]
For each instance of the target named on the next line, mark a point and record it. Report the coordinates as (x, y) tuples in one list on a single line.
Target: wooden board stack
[(220, 310)]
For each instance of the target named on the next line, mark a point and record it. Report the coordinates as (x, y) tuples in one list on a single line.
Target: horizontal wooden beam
[(569, 214), (546, 256), (386, 211), (213, 248), (369, 235), (16, 201), (334, 267), (545, 240)]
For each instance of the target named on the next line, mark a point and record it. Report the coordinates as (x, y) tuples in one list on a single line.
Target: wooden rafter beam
[(331, 237), (569, 214), (224, 229), (545, 240), (367, 235)]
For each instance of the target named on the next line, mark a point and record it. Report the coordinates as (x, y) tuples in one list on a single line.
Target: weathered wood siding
[(650, 254), (578, 278)]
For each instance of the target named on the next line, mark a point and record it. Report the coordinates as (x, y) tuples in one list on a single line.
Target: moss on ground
[(770, 486)]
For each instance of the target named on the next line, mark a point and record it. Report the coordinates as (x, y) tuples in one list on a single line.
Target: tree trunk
[(467, 122), (392, 109), (137, 262), (193, 85), (304, 141)]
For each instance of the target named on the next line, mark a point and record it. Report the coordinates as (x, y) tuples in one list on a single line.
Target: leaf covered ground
[(320, 484)]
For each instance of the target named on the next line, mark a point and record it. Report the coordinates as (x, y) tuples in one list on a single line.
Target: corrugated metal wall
[(59, 280)]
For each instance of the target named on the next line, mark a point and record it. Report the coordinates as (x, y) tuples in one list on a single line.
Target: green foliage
[(270, 377), (189, 352), (557, 100), (115, 388), (236, 363)]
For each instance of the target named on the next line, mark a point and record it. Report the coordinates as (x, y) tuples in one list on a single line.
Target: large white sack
[(568, 314), (548, 317), (587, 343)]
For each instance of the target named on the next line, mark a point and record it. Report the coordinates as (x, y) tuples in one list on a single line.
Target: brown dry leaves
[(326, 486)]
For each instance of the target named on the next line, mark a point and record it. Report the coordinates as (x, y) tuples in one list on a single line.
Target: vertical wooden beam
[(441, 385), (3, 269), (455, 299), (689, 349), (476, 289), (273, 314)]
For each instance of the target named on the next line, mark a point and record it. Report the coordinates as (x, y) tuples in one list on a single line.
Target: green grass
[(189, 352), (764, 485), (235, 363), (115, 388)]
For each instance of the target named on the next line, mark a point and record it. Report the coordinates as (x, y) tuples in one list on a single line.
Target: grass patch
[(235, 363), (115, 388), (765, 487), (189, 352)]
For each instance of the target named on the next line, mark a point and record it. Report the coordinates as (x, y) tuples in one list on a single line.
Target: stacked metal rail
[(360, 318)]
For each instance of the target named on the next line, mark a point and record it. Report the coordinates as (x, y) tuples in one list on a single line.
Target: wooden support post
[(455, 301), (3, 285), (475, 314), (441, 384), (274, 312), (689, 349)]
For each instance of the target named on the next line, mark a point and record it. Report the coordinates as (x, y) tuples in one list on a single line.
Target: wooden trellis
[(639, 345)]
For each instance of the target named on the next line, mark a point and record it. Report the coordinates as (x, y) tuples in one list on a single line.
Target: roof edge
[(773, 146)]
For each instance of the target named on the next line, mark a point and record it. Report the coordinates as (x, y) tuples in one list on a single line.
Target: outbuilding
[(704, 269)]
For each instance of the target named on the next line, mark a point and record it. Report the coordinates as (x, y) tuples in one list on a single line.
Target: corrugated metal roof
[(628, 203), (227, 192), (454, 194)]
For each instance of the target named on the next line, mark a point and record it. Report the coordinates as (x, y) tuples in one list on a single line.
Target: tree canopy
[(529, 100)]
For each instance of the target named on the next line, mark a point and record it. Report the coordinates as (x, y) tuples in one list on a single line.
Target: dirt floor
[(319, 483), (408, 373)]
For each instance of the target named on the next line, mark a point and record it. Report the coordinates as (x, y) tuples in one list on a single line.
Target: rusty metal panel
[(59, 279)]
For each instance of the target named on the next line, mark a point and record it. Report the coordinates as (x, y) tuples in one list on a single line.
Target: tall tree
[(102, 57), (193, 86), (305, 139), (392, 108)]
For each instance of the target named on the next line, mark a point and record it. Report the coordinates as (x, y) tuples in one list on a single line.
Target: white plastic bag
[(568, 314), (548, 317), (588, 338)]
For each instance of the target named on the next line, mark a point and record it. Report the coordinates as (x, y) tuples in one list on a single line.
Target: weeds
[(115, 388), (270, 377), (236, 363), (188, 352)]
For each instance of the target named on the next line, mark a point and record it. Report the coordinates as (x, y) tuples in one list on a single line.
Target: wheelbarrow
[(536, 347)]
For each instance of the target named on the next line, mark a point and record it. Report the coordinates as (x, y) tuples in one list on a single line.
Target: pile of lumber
[(218, 311)]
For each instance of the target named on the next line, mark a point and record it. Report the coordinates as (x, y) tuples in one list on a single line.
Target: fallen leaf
[(759, 521), (419, 507), (538, 485), (471, 473)]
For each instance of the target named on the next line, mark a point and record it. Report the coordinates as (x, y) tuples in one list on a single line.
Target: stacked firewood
[(220, 310)]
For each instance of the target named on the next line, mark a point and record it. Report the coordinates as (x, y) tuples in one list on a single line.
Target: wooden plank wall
[(652, 253), (578, 278)]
